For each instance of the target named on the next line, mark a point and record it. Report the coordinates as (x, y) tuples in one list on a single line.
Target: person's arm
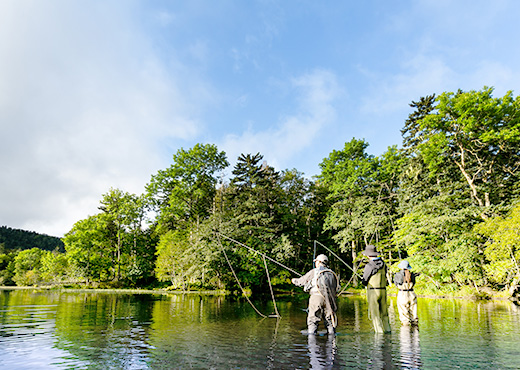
[(302, 281), (388, 275), (367, 273)]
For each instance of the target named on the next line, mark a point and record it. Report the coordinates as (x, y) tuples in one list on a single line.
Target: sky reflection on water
[(140, 331)]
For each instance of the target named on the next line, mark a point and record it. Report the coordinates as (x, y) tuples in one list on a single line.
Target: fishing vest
[(312, 286), (378, 280), (405, 286)]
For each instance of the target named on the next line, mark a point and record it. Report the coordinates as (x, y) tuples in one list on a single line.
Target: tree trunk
[(354, 255)]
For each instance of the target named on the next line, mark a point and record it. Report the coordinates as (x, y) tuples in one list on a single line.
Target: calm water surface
[(81, 330)]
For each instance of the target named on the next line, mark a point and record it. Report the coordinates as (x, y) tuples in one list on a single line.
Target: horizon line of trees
[(448, 201), (17, 239)]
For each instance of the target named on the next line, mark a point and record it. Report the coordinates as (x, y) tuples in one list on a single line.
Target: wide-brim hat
[(404, 265), (370, 251)]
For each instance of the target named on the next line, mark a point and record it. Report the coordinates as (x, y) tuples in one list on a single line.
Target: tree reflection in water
[(41, 329)]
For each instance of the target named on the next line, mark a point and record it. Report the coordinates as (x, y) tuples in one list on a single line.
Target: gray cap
[(322, 258), (404, 265)]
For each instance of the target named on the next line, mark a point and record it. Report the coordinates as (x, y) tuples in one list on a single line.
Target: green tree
[(434, 233), (302, 207), (54, 267), (253, 195), (248, 211), (480, 136), (112, 245), (184, 192), (115, 207), (140, 240), (27, 265), (363, 193), (87, 250), (183, 197), (175, 259), (412, 130), (462, 167), (502, 248), (6, 266)]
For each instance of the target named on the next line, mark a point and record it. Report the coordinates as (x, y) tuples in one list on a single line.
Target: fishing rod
[(335, 255), (260, 253)]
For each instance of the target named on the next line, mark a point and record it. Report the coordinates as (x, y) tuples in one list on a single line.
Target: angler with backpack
[(323, 286), (404, 280)]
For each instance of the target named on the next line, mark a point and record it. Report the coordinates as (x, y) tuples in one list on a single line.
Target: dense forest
[(447, 200), (12, 239)]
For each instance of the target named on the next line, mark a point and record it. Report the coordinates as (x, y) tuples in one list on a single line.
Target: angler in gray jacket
[(323, 286)]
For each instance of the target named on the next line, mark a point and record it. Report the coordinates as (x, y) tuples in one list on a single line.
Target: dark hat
[(370, 251)]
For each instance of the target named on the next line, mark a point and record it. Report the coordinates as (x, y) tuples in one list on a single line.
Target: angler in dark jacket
[(374, 278), (322, 285)]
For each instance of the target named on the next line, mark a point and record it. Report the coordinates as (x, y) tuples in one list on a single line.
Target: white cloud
[(438, 50), (83, 100), (317, 92), (424, 74), (165, 18), (494, 74), (419, 76)]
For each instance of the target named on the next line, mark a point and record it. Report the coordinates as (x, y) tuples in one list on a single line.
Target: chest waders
[(407, 304), (322, 301), (377, 301)]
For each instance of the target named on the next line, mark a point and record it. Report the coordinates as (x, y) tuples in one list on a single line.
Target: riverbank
[(112, 290), (464, 293)]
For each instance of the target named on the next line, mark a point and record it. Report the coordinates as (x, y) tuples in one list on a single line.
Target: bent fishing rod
[(260, 253), (335, 255)]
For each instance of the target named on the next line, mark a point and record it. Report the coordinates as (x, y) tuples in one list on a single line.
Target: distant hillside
[(20, 239)]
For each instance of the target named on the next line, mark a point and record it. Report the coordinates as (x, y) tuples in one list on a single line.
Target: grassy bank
[(113, 290), (425, 291)]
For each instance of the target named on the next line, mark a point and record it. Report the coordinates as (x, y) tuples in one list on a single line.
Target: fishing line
[(238, 282), (260, 253), (357, 267), (271, 288), (271, 358), (335, 255)]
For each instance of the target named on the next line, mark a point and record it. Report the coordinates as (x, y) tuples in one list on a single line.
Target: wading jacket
[(321, 281), (374, 275)]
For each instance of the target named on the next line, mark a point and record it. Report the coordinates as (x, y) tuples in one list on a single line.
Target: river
[(93, 330)]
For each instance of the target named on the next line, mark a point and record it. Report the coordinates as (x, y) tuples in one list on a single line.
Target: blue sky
[(99, 94)]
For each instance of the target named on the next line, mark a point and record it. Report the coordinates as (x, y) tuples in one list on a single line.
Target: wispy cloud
[(83, 101), (317, 93)]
